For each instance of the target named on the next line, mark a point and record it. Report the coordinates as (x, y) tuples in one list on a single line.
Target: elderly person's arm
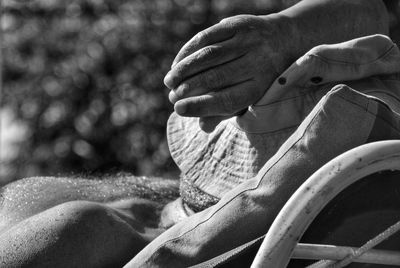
[(266, 45), (229, 66)]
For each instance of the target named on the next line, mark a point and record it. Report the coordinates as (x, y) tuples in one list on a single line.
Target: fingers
[(208, 124), (214, 34), (225, 102), (222, 76), (201, 60)]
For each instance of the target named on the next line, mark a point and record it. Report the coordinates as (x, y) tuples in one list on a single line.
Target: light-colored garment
[(214, 163), (342, 120)]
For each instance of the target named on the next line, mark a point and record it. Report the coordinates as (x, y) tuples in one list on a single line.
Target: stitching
[(386, 121), (383, 92), (374, 114), (262, 178), (246, 190), (273, 132), (333, 61), (279, 101)]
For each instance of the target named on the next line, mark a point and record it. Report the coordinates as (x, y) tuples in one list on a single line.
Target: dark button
[(282, 80), (316, 79)]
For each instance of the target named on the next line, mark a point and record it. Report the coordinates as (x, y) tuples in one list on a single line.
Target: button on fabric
[(316, 79), (282, 80), (214, 163)]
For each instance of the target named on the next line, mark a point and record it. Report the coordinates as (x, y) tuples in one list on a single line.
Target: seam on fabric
[(262, 178), (377, 115), (246, 190), (274, 132), (279, 101), (383, 92), (333, 61), (388, 123), (363, 107)]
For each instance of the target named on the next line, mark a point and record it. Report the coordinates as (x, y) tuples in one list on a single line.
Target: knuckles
[(184, 68), (248, 37), (182, 90), (243, 24), (207, 52), (199, 37), (238, 21)]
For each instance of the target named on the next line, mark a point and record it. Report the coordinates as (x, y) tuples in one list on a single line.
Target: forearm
[(245, 213), (310, 23)]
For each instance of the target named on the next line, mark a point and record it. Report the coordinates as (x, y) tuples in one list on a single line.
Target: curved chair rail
[(305, 204)]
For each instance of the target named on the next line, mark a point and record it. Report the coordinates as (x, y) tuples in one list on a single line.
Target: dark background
[(83, 91), (82, 80)]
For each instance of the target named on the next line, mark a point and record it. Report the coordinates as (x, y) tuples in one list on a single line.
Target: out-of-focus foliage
[(83, 81)]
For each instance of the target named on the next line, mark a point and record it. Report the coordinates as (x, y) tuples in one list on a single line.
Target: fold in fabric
[(343, 119), (214, 163)]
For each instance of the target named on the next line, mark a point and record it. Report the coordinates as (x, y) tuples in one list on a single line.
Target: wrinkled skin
[(227, 67), (217, 74)]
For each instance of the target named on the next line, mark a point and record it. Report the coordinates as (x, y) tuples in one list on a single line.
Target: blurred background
[(82, 82)]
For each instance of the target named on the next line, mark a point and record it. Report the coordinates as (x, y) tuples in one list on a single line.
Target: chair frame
[(281, 241)]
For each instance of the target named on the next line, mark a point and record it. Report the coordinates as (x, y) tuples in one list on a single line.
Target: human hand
[(227, 67)]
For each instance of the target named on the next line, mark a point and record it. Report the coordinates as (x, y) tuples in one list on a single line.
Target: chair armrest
[(305, 204)]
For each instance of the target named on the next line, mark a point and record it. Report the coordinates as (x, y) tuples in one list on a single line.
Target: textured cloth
[(342, 120), (212, 164)]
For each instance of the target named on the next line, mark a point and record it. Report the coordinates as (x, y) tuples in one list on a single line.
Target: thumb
[(208, 124)]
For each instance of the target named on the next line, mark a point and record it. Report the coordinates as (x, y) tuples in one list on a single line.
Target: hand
[(227, 67)]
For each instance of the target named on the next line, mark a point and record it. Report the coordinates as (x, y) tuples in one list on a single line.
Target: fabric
[(342, 120), (357, 214), (173, 213), (212, 164)]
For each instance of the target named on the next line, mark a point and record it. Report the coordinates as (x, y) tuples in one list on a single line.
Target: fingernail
[(180, 108), (168, 80), (208, 124), (172, 97)]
